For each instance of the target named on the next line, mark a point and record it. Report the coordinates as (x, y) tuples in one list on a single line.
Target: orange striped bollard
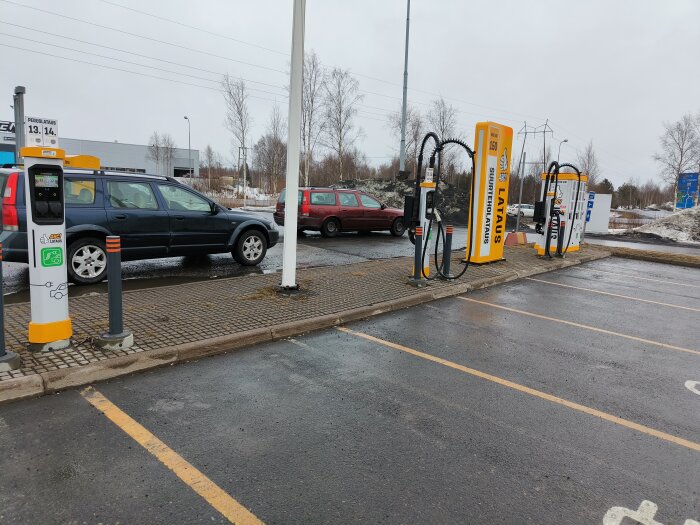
[(447, 251), (117, 338), (418, 258)]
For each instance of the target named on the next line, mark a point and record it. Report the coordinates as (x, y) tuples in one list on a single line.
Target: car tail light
[(305, 204), (10, 219)]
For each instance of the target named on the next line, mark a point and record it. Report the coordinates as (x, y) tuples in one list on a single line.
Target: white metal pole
[(289, 246)]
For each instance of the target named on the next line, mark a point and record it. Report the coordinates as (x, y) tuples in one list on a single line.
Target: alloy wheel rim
[(252, 248), (89, 261)]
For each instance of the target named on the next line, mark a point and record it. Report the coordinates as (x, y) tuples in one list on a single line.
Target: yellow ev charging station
[(492, 143), (50, 327), (487, 204), (561, 212)]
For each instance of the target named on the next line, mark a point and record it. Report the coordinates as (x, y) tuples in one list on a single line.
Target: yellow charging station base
[(41, 333)]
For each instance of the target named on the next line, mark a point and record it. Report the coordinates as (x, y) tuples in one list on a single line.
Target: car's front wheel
[(87, 261), (251, 248)]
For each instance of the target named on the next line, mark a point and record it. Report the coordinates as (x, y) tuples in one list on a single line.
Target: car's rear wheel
[(87, 261), (330, 228), (397, 227), (251, 248)]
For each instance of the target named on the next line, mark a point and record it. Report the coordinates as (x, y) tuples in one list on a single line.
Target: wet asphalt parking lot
[(572, 397)]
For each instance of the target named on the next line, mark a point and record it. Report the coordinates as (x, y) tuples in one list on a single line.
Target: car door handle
[(120, 217), (179, 218)]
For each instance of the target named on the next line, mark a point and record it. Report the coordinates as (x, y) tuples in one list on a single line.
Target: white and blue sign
[(687, 191), (591, 198)]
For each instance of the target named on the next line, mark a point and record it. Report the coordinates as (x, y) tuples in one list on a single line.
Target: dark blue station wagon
[(154, 216)]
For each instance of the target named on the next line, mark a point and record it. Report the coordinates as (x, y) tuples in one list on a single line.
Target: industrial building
[(115, 156)]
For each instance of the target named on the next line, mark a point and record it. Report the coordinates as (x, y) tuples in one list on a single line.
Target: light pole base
[(115, 342), (9, 361), (288, 291), (49, 347), (418, 283)]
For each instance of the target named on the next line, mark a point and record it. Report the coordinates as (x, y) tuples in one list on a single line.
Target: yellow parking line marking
[(692, 445), (585, 326), (201, 484), (590, 270), (614, 295)]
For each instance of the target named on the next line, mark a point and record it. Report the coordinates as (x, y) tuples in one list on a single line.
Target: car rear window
[(283, 197), (79, 191), (323, 198)]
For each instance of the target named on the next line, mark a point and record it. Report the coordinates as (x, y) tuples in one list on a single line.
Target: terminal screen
[(46, 180)]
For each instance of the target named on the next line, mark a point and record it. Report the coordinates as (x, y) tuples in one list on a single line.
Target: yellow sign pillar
[(487, 222)]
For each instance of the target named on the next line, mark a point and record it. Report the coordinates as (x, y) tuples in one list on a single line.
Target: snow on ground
[(682, 226)]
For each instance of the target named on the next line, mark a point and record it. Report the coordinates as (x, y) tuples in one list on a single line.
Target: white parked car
[(526, 210)]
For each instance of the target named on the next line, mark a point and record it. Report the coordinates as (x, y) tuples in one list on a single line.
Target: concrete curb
[(677, 259), (56, 380)]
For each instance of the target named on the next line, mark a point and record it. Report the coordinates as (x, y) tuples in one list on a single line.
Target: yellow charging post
[(492, 143)]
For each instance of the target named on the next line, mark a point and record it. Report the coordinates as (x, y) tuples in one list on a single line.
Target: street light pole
[(189, 145), (18, 102), (291, 209), (402, 151), (559, 152)]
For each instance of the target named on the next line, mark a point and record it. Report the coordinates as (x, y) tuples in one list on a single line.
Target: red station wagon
[(331, 211)]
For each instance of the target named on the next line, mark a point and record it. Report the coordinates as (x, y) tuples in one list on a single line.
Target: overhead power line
[(144, 37), (200, 29), (135, 54), (217, 81)]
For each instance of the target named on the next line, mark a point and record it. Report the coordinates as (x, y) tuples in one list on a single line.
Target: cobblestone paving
[(172, 315)]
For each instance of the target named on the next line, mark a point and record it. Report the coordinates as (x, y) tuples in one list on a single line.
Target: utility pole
[(402, 151), (189, 146), (521, 171), (291, 209), (18, 101)]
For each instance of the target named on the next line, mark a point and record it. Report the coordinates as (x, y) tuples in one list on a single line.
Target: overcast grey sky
[(607, 70)]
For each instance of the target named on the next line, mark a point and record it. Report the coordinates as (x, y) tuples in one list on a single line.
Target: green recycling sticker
[(51, 256)]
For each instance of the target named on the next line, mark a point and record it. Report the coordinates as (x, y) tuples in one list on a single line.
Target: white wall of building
[(117, 155)]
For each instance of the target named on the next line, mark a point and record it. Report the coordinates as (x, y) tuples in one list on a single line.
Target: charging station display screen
[(46, 180)]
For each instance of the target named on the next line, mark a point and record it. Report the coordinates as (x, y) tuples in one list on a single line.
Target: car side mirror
[(383, 206), (214, 208)]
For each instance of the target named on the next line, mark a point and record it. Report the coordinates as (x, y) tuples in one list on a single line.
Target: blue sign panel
[(687, 191)]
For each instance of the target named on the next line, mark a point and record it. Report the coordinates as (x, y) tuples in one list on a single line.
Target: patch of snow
[(682, 226)]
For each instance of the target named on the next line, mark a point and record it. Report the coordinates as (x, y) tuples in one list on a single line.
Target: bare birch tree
[(270, 152), (168, 153), (341, 99), (311, 109), (680, 148), (238, 119), (442, 118), (415, 125), (155, 152), (588, 164)]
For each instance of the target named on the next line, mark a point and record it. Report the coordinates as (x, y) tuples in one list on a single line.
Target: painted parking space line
[(611, 294), (692, 445), (584, 326), (590, 270), (193, 478)]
